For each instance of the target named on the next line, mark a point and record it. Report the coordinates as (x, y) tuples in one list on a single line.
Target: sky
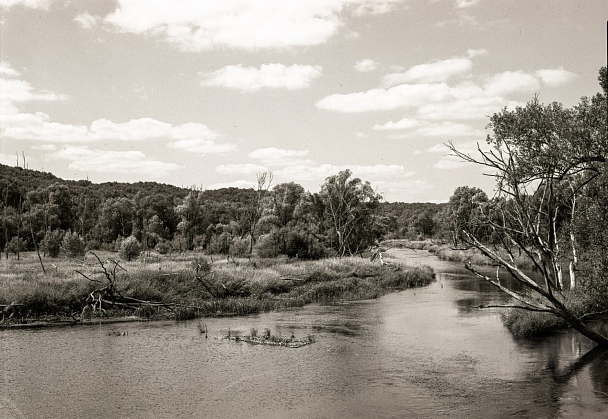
[(209, 94)]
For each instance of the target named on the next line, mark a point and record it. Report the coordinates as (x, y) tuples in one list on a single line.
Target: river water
[(420, 353)]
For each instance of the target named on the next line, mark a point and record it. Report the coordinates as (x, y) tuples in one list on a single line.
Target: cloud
[(279, 157), (439, 71), (510, 82), (366, 66), (86, 20), (404, 123), (318, 172), (201, 146), (405, 95), (88, 160), (465, 3), (555, 77), (250, 79), (7, 70), (191, 137), (240, 169), (32, 4), (405, 190), (193, 25)]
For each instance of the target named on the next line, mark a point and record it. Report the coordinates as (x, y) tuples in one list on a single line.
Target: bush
[(163, 247), (51, 243), (72, 244), (16, 245), (239, 247), (303, 247), (130, 248)]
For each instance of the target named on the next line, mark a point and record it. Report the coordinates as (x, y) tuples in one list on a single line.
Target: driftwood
[(10, 310), (109, 296)]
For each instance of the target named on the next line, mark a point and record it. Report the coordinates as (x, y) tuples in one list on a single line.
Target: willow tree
[(543, 157)]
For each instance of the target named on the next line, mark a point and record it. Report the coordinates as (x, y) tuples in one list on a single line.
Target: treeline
[(41, 212)]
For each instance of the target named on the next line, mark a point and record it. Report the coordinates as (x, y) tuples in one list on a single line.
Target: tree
[(350, 206), (463, 209), (544, 158), (129, 249), (72, 244)]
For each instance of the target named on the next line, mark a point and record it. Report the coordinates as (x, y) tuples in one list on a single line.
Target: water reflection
[(422, 353)]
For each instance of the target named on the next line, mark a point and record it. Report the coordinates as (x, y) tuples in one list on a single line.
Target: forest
[(63, 217)]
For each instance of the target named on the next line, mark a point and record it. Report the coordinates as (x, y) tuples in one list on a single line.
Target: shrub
[(72, 244), (130, 248), (239, 247), (302, 247), (163, 247), (16, 245), (51, 243), (267, 246)]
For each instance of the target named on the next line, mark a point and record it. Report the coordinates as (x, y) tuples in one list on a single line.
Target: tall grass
[(238, 287)]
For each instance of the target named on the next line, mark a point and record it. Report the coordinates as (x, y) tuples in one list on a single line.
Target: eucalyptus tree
[(544, 159)]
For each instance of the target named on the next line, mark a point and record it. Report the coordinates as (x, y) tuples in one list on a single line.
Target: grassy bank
[(191, 286)]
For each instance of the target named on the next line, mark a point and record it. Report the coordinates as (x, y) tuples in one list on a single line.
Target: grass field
[(187, 286)]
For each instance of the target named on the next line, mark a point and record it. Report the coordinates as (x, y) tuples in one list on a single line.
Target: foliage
[(16, 245), (72, 244), (52, 242), (130, 248), (548, 163)]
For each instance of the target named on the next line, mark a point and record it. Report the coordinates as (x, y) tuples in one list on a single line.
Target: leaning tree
[(544, 158)]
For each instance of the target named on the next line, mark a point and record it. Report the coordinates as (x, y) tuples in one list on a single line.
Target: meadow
[(100, 287)]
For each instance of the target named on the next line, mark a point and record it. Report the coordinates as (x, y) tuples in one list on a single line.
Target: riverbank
[(587, 302), (100, 288), (448, 253)]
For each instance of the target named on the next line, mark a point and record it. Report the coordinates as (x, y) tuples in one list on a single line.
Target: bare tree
[(542, 158)]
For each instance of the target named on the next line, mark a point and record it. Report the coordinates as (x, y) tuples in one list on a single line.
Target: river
[(421, 353)]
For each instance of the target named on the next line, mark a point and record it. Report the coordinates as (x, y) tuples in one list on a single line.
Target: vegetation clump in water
[(266, 338)]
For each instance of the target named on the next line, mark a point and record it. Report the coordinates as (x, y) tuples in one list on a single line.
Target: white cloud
[(318, 172), (405, 190), (240, 169), (32, 4), (404, 123), (84, 159), (405, 95), (86, 20), (279, 157), (510, 82), (366, 66), (201, 146), (241, 24), (192, 137), (555, 77), (471, 53), (439, 71), (466, 3), (14, 90), (250, 79), (7, 70)]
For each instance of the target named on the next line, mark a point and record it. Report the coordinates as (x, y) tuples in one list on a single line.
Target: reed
[(238, 287)]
